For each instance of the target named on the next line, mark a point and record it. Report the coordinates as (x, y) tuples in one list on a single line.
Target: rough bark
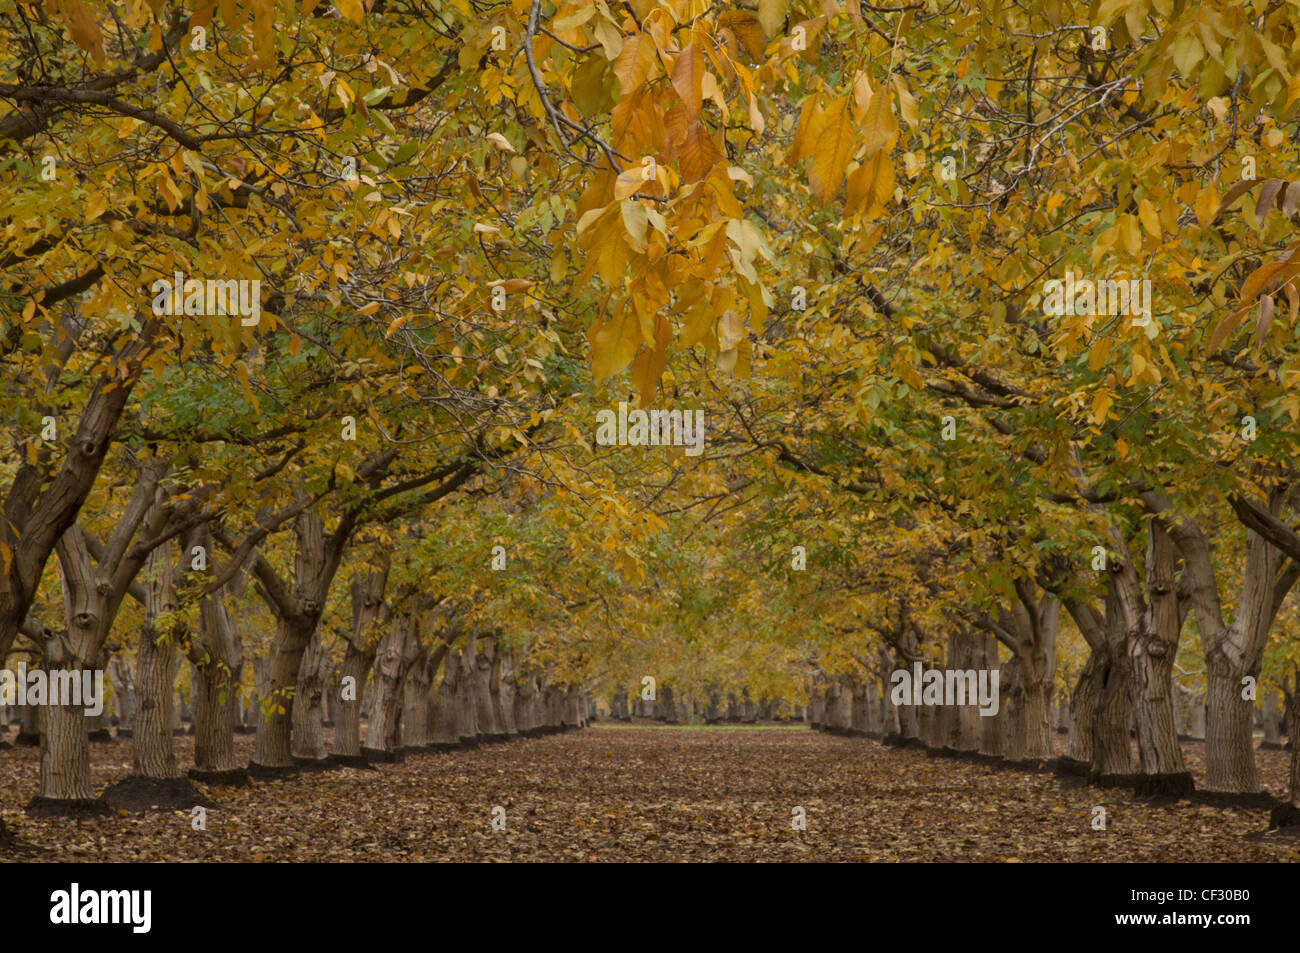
[(40, 506), (370, 615), (1152, 627), (92, 596), (216, 687), (1271, 716), (415, 693), (297, 611), (1236, 651), (308, 728), (503, 691), (157, 663), (992, 733), (485, 713), (382, 734), (124, 695)]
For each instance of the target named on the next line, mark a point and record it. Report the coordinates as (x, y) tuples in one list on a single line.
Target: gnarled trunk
[(157, 662), (274, 716), (382, 734), (308, 741), (369, 614), (1152, 635), (218, 663)]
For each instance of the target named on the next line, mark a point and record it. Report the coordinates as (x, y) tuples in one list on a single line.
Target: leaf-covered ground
[(642, 794)]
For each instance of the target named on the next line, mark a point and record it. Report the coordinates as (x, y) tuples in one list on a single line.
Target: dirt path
[(640, 794)]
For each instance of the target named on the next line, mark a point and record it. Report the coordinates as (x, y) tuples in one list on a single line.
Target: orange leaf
[(835, 146), (688, 80)]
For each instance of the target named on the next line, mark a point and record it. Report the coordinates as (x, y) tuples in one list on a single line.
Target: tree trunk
[(274, 721), (65, 751), (484, 710), (415, 694), (992, 728), (297, 617), (216, 688), (308, 739), (1233, 652), (503, 692), (124, 695), (817, 702), (1152, 644), (347, 729), (1293, 732), (1229, 732), (1272, 718), (382, 734), (157, 663), (963, 734), (525, 695), (442, 709), (467, 691), (369, 615)]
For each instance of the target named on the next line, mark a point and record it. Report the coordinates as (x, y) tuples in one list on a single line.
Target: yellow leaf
[(730, 330), (805, 135), (879, 125), (906, 103), (697, 324), (771, 14), (351, 9), (650, 363), (688, 80), (693, 144), (635, 221), (1150, 220), (614, 342), (870, 186), (96, 205), (1207, 203), (575, 20), (747, 29), (1129, 234), (835, 144), (84, 29), (629, 182), (635, 62), (241, 372), (1224, 328), (1101, 406), (500, 141)]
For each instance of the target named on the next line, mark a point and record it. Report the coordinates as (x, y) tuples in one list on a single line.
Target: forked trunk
[(274, 717)]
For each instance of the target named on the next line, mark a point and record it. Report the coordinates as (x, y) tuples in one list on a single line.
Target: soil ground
[(640, 793)]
